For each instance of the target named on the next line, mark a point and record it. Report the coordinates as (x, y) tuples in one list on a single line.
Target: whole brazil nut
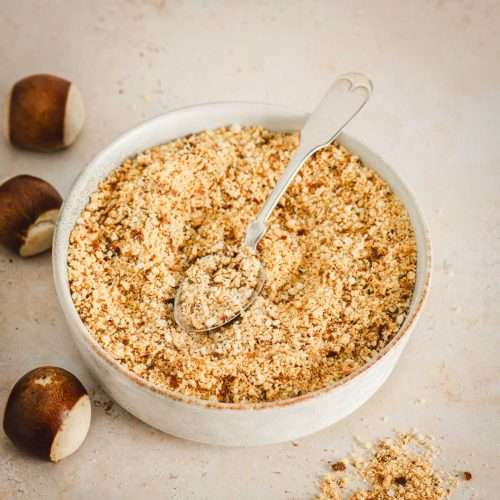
[(29, 207), (44, 113), (48, 413)]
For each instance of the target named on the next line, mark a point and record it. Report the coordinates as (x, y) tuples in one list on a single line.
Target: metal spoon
[(343, 101)]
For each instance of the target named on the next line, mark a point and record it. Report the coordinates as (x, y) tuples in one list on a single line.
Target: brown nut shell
[(27, 204), (40, 117), (38, 407)]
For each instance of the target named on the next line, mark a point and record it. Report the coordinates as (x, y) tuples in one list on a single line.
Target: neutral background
[(435, 116)]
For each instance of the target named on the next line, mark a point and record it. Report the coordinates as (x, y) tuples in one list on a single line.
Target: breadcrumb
[(400, 468), (339, 255)]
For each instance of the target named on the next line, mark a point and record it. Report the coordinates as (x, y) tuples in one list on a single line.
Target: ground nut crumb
[(338, 466), (339, 255), (400, 468), (218, 286)]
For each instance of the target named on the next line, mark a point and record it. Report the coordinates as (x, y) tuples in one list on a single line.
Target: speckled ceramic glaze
[(227, 423)]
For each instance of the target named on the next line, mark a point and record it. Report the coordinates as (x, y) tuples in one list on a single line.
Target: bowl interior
[(195, 119)]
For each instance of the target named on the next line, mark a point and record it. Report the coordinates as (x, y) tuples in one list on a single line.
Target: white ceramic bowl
[(226, 423)]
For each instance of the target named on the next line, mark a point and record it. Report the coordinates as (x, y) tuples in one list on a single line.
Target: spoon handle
[(345, 98)]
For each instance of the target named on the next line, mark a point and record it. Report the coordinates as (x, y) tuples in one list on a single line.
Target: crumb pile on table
[(399, 468)]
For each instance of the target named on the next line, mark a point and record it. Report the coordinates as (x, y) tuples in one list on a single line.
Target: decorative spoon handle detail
[(343, 101)]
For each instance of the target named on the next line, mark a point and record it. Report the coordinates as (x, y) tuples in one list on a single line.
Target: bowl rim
[(60, 273)]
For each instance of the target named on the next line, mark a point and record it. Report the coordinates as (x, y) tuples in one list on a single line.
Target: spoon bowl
[(187, 325)]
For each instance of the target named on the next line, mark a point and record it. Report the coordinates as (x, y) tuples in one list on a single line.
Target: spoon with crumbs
[(220, 286)]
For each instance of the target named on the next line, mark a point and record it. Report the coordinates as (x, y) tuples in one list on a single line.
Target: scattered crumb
[(338, 466), (364, 444), (467, 476), (396, 468), (296, 444), (100, 400)]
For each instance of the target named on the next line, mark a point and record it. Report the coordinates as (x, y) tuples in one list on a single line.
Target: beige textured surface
[(434, 116)]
